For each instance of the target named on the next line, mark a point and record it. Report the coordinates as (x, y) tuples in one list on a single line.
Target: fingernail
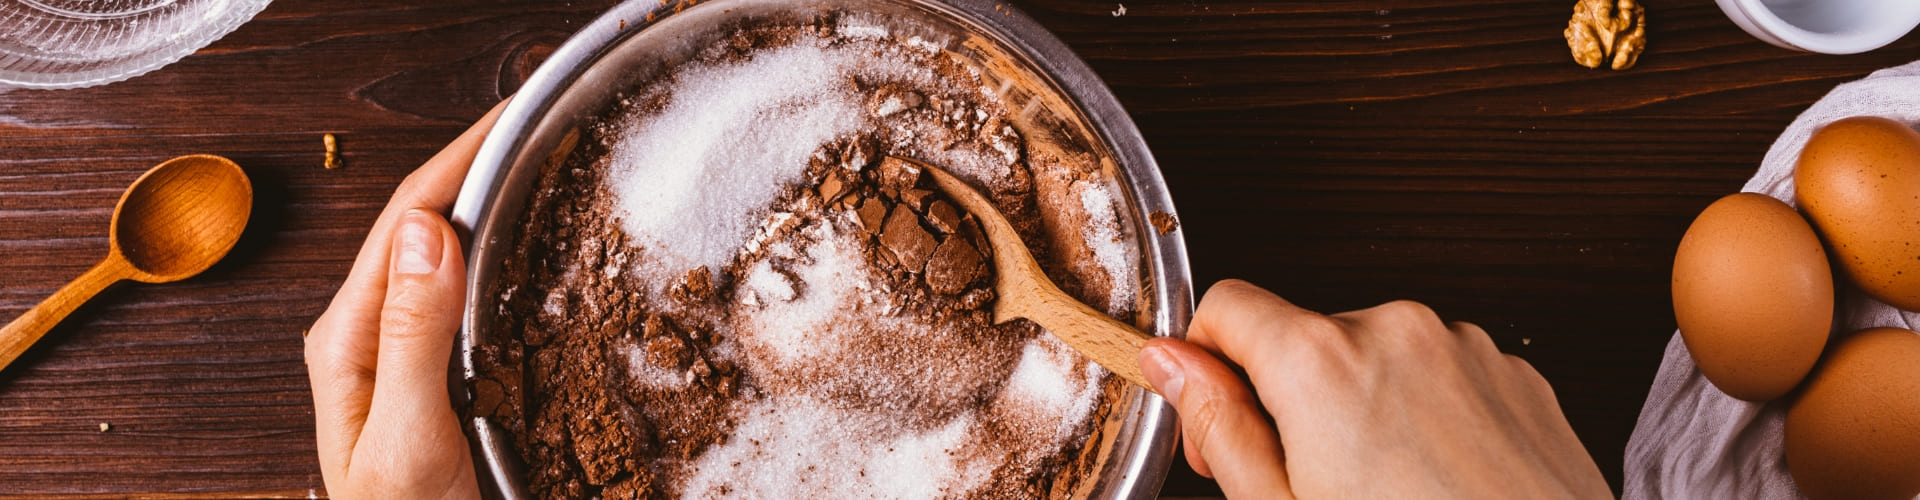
[(1163, 372), (417, 244)]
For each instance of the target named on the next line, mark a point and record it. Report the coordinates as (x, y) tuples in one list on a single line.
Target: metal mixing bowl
[(1030, 70)]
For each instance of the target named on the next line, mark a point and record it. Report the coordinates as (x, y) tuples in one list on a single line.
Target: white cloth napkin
[(1693, 441)]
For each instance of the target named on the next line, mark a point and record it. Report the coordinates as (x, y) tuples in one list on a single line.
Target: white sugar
[(556, 303), (768, 284), (979, 167), (647, 375), (856, 26), (793, 329), (1111, 250), (1047, 389), (925, 44), (799, 447), (692, 181), (1037, 379)]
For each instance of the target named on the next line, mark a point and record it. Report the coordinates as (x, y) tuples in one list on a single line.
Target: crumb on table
[(333, 151), (1163, 222)]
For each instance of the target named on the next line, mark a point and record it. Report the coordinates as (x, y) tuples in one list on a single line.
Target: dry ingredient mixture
[(728, 290)]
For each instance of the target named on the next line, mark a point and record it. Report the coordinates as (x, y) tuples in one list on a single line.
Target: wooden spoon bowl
[(174, 222), (182, 217)]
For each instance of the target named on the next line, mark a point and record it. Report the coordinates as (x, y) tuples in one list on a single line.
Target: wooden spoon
[(1023, 290), (174, 222)]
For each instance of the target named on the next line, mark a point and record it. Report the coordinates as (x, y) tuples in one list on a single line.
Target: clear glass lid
[(81, 43)]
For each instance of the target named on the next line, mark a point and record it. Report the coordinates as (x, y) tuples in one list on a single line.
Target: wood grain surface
[(1341, 152)]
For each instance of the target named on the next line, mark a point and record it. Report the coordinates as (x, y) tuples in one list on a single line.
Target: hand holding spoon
[(174, 222), (1024, 291)]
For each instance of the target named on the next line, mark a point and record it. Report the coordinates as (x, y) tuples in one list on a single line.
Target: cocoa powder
[(618, 386)]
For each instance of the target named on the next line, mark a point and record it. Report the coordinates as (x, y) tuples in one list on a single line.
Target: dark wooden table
[(1343, 153)]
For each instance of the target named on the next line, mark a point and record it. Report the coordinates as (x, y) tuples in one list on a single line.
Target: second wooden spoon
[(174, 222)]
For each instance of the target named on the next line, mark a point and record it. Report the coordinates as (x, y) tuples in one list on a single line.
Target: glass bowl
[(60, 44)]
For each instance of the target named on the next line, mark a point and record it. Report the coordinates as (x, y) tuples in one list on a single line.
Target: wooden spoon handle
[(1114, 345), (17, 336)]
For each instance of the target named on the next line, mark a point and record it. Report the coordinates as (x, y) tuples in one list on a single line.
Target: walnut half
[(1607, 29)]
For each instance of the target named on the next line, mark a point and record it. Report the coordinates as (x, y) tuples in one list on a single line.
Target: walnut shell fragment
[(1603, 30)]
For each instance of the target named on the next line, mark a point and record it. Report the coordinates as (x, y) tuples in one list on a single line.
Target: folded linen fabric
[(1691, 440)]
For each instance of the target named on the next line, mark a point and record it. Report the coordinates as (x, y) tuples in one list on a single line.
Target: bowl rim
[(24, 67), (1761, 21), (1164, 259)]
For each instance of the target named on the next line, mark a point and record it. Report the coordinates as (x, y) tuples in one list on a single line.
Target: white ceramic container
[(1825, 26)]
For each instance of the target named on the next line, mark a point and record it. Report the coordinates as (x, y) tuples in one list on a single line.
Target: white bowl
[(1825, 26)]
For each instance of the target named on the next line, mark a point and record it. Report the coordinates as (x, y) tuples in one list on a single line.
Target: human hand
[(1386, 402), (378, 356)]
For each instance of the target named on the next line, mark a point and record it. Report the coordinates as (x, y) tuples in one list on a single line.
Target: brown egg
[(1753, 296), (1859, 181), (1855, 431)]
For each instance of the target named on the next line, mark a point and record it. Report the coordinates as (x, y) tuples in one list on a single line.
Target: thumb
[(422, 310), (1228, 437)]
